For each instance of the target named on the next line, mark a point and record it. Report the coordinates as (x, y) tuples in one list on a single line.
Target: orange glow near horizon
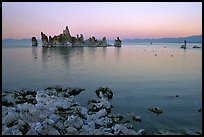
[(126, 20)]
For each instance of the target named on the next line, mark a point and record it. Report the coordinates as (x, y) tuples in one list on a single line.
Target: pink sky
[(112, 19)]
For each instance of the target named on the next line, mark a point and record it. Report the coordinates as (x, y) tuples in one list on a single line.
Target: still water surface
[(140, 75)]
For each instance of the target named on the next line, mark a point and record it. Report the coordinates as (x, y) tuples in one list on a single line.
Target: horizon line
[(123, 38)]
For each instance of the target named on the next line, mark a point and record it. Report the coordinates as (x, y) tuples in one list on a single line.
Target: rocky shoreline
[(54, 111)]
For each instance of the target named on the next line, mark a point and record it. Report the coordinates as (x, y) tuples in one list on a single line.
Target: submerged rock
[(196, 46), (166, 132), (200, 110), (156, 110), (75, 91), (135, 117)]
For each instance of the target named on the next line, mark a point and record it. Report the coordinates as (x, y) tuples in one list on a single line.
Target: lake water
[(138, 78)]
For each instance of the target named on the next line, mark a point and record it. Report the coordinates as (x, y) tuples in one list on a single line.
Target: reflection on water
[(138, 78)]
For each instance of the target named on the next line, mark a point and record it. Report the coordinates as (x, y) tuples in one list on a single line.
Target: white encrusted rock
[(25, 107), (71, 131), (32, 131), (74, 121), (103, 103), (119, 128), (87, 130), (4, 111), (29, 97), (49, 121), (97, 115), (46, 130), (11, 117), (11, 131), (103, 121), (54, 117), (83, 112), (59, 125), (140, 131)]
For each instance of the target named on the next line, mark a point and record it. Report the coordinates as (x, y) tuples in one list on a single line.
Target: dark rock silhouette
[(44, 39), (34, 42), (118, 42), (65, 39)]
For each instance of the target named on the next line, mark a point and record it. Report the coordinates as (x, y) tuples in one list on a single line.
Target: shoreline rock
[(54, 111)]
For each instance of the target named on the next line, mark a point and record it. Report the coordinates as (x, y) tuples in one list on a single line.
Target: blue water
[(139, 78)]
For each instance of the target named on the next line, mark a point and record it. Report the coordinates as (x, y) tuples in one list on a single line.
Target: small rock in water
[(156, 110), (200, 110), (135, 117), (105, 91), (174, 96)]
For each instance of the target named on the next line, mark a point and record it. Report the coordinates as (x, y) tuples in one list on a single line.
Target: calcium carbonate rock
[(11, 131), (44, 39), (118, 42), (59, 125), (71, 131), (4, 111), (32, 132), (103, 121), (54, 117), (43, 129), (74, 121), (34, 42), (106, 92), (97, 115), (118, 128), (50, 41), (83, 112), (11, 117), (140, 131), (58, 114), (30, 97), (65, 39)]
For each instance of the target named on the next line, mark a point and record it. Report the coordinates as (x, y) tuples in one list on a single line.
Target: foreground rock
[(54, 111)]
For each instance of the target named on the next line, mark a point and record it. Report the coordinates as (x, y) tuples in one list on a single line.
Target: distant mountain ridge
[(190, 39)]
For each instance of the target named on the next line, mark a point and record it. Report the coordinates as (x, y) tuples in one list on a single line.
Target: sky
[(110, 19)]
